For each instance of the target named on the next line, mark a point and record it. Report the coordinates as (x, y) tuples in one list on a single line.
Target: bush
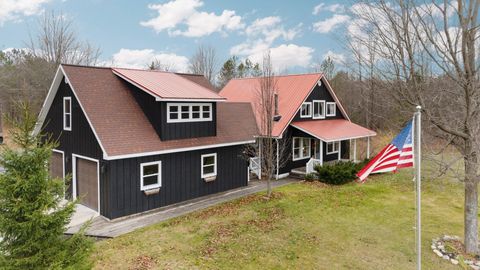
[(310, 177), (339, 173)]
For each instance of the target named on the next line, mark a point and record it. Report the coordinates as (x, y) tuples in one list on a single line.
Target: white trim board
[(177, 150), (63, 165), (214, 155), (74, 177), (143, 187)]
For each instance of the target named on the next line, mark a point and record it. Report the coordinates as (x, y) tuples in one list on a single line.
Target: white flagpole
[(418, 181)]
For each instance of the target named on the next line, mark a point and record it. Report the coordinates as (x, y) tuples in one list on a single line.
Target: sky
[(133, 33)]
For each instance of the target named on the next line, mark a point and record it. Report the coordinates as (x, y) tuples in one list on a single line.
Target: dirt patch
[(143, 262)]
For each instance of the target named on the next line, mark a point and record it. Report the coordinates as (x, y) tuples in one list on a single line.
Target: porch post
[(339, 150), (355, 150), (260, 139), (321, 152), (368, 147), (277, 158)]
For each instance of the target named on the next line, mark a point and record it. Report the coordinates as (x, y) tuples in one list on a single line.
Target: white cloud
[(177, 13), (337, 58), (15, 9), (142, 58), (332, 8), (262, 34), (331, 23)]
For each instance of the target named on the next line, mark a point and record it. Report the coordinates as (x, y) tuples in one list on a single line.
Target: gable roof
[(292, 91), (166, 85), (199, 79), (120, 125)]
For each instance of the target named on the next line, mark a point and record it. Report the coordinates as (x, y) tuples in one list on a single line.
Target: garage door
[(86, 177), (56, 165)]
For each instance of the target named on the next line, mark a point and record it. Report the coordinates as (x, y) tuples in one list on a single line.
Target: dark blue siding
[(181, 179), (80, 140)]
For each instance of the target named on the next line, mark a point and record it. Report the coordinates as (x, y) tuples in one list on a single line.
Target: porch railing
[(310, 168), (255, 166)]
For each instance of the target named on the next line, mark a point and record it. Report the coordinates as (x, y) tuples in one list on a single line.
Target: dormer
[(179, 106)]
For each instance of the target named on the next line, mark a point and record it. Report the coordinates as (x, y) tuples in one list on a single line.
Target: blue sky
[(130, 33)]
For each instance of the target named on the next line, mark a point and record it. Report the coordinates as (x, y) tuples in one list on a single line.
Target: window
[(301, 148), (209, 165), (318, 109), (333, 147), (306, 110), (188, 112), (150, 175), (67, 113), (331, 107)]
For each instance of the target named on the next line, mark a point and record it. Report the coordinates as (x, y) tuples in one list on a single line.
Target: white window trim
[(334, 109), (322, 115), (159, 175), (301, 148), (190, 118), (65, 113), (335, 151), (214, 155), (309, 111)]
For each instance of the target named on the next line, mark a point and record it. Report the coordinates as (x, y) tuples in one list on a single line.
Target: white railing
[(256, 167), (310, 168)]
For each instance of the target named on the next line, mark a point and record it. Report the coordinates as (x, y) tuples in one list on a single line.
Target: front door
[(317, 149)]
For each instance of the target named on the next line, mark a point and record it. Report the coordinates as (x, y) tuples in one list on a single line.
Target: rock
[(474, 267), (441, 247), (454, 261), (445, 257), (433, 246), (469, 262), (438, 253)]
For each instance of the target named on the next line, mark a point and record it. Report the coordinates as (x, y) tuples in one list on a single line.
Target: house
[(311, 124), (136, 140)]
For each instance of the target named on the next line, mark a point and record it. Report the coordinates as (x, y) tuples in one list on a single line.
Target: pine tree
[(227, 72), (32, 218)]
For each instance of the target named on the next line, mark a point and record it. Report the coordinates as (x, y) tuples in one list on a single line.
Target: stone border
[(438, 247)]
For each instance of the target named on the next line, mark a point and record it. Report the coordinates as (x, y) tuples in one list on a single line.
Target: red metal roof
[(166, 85), (292, 91), (333, 130)]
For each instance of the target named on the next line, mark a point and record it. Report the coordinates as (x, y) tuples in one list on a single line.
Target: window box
[(152, 191), (210, 178)]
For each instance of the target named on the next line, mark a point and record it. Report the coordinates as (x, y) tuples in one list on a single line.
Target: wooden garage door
[(87, 182), (56, 165)]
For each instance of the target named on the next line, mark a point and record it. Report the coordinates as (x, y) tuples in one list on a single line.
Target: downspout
[(277, 156)]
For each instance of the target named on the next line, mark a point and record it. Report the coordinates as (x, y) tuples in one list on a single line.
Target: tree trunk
[(269, 186), (471, 206)]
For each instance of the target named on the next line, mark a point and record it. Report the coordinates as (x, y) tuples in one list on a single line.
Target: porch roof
[(333, 130)]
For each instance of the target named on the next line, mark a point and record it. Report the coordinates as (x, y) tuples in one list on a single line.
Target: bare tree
[(56, 42), (157, 64), (271, 150), (205, 62), (417, 44)]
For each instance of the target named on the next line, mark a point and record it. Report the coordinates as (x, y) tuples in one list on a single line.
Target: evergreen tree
[(32, 218), (227, 72)]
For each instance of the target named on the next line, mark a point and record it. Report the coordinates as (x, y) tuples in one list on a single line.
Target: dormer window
[(189, 112)]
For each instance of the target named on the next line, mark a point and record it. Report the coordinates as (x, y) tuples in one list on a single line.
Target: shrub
[(339, 173), (310, 177)]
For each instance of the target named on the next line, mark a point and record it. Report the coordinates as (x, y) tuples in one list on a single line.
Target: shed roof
[(167, 85), (333, 130)]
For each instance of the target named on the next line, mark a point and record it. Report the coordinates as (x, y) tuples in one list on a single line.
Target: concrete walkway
[(103, 228)]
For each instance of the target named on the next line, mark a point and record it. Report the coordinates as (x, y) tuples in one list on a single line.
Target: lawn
[(305, 226)]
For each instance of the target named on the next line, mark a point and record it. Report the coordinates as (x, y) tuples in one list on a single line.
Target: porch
[(331, 141)]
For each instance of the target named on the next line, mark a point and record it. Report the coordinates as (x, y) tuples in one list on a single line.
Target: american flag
[(397, 154)]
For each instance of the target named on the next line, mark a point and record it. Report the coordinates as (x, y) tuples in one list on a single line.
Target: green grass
[(306, 226)]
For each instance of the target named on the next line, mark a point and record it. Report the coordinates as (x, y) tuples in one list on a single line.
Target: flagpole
[(418, 178)]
